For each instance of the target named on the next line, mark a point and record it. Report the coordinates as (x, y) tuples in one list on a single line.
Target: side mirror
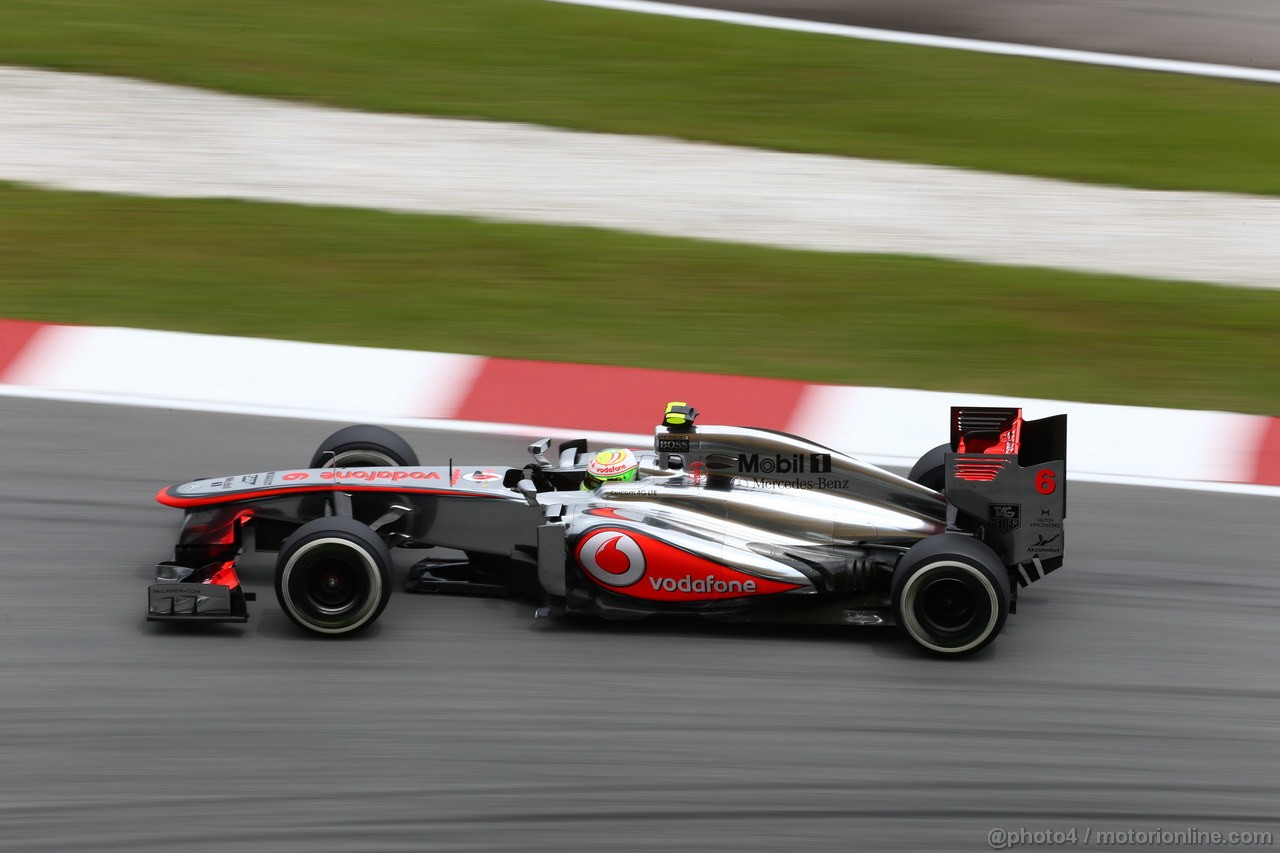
[(529, 490), (538, 450)]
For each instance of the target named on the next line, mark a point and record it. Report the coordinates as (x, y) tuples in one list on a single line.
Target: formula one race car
[(728, 523)]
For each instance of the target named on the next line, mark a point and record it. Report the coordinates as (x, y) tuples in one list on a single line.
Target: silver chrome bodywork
[(768, 518), (770, 527), (729, 522)]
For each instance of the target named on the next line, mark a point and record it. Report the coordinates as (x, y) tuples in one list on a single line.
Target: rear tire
[(364, 446), (930, 470), (950, 594), (333, 576)]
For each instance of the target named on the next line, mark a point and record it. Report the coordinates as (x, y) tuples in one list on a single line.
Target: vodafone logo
[(612, 557), (637, 565)]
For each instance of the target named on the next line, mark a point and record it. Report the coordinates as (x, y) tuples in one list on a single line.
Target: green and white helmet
[(615, 465)]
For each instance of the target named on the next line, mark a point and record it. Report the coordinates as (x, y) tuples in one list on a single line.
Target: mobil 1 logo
[(792, 463)]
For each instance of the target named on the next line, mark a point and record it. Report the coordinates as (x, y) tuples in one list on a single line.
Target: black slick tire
[(930, 470), (950, 594), (364, 446), (333, 576)]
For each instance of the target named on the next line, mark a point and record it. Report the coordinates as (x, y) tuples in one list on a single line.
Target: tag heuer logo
[(1004, 518)]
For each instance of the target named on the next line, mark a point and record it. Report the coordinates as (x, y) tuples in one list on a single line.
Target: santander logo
[(612, 557)]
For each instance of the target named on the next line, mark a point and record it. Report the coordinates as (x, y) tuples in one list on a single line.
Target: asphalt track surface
[(1135, 689), (1230, 32)]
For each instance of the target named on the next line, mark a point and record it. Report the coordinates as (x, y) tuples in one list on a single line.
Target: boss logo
[(673, 444)]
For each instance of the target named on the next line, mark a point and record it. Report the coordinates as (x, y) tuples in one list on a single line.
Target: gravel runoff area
[(85, 132)]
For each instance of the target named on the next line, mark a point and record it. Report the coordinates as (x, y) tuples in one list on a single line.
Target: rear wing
[(1007, 476)]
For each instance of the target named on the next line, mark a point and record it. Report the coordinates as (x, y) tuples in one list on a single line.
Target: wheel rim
[(949, 606), (331, 584)]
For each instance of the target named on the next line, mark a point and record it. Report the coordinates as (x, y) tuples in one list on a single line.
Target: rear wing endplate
[(1009, 476)]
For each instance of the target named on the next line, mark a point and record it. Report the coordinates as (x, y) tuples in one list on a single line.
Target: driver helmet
[(614, 465)]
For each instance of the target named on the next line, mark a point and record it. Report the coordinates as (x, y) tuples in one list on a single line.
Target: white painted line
[(533, 431), (1087, 57)]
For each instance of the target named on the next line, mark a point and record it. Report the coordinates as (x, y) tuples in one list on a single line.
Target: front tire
[(333, 576), (364, 446), (950, 594)]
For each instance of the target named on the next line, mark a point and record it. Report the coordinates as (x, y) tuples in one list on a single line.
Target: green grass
[(524, 291), (528, 60)]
